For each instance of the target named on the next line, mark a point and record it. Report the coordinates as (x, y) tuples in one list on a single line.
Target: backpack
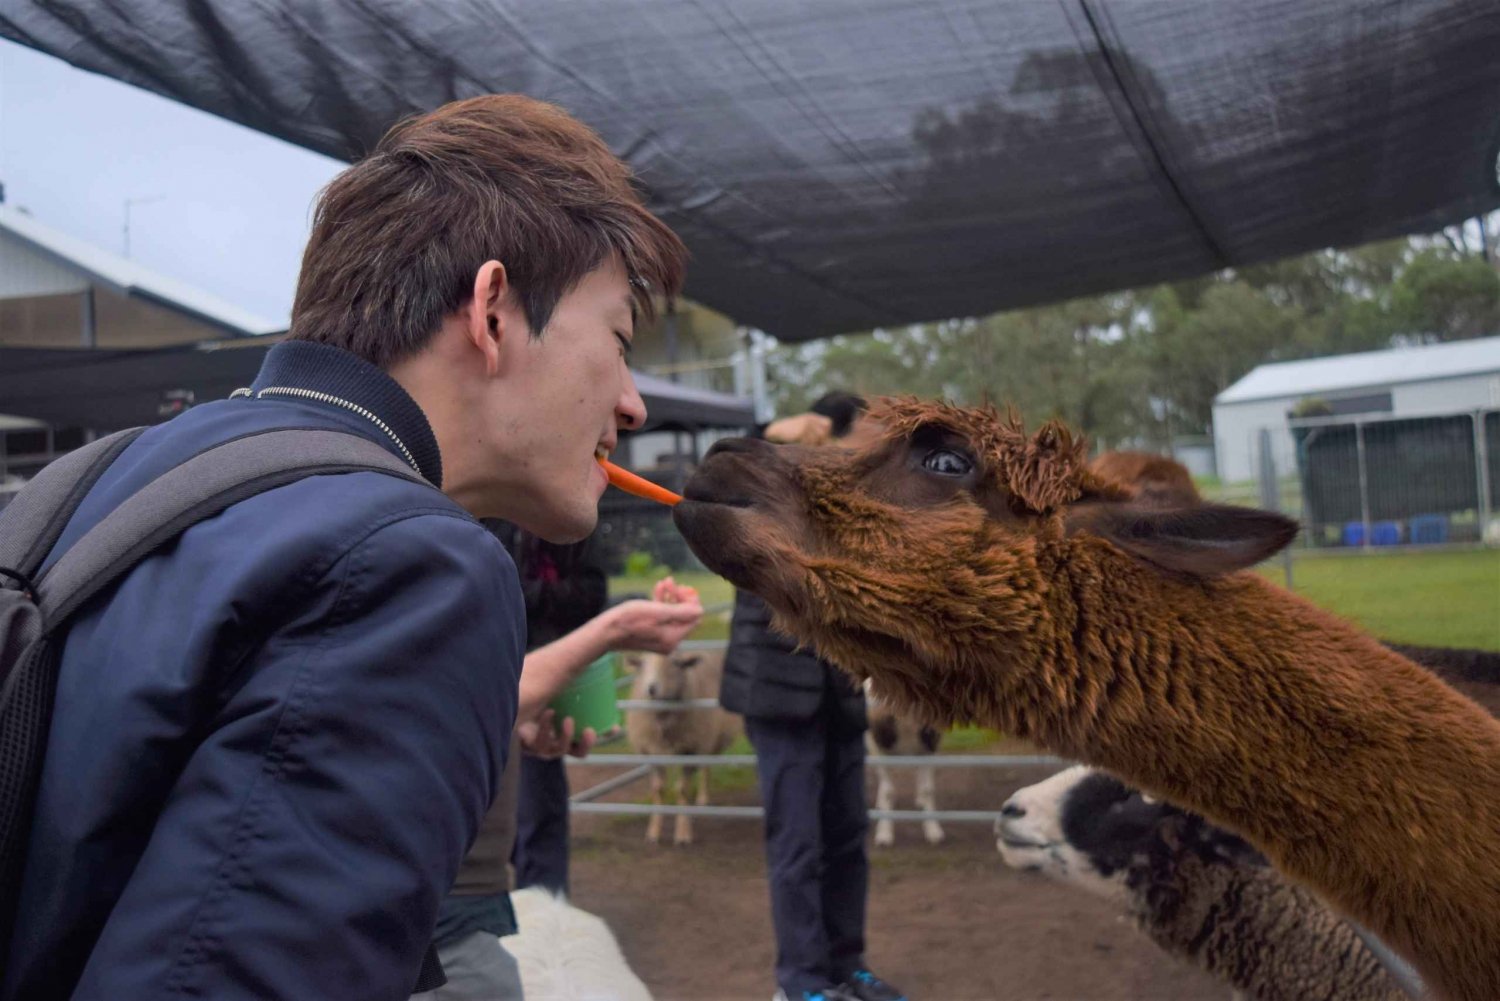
[(35, 607)]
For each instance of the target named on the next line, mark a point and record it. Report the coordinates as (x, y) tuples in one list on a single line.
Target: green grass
[(1437, 599)]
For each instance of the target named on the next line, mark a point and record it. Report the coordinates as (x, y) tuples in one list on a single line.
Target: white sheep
[(892, 733), (566, 954), (678, 677), (1197, 891)]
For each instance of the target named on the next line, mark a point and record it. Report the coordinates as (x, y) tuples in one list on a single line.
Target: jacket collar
[(323, 368)]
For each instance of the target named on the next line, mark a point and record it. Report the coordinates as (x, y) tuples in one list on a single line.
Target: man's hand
[(541, 737), (655, 626)]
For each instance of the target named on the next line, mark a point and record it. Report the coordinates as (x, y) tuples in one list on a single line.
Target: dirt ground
[(950, 923)]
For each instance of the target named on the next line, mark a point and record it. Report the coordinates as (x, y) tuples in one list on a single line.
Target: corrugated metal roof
[(129, 278), (1367, 369)]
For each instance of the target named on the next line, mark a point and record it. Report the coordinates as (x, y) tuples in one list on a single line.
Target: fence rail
[(755, 812), (892, 761)]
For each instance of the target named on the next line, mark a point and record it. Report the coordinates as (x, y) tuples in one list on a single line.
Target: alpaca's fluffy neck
[(1355, 770)]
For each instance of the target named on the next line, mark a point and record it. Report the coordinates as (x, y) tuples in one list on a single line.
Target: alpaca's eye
[(947, 463)]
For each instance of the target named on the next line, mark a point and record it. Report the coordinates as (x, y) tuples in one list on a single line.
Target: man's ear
[(1203, 541), (485, 322)]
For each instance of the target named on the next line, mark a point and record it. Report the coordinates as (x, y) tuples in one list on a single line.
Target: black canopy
[(104, 390), (839, 164)]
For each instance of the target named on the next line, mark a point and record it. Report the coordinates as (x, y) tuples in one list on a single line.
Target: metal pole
[(671, 331), (755, 812), (742, 362), (892, 761), (758, 375), (1270, 494), (1482, 473), (90, 319), (610, 785), (1364, 481)]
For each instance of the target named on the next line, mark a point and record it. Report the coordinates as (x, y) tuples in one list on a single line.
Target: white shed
[(1457, 377)]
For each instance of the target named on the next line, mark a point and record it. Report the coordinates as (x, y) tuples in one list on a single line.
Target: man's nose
[(630, 411)]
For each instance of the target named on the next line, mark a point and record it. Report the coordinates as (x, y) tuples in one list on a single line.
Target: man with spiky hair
[(275, 737)]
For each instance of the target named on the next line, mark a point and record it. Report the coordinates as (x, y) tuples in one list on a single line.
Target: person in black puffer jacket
[(806, 720)]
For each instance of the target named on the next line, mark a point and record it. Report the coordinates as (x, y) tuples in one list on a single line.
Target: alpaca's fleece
[(1152, 479), (980, 574), (566, 954)]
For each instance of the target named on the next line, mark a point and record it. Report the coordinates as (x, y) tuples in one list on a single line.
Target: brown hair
[(398, 237)]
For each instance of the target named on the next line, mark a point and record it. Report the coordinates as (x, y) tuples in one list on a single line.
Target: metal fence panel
[(1371, 481)]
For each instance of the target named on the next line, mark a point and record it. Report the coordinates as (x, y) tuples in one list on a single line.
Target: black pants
[(812, 784), (540, 854)]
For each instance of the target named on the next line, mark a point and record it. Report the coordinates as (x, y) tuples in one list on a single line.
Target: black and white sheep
[(1197, 891), (892, 733)]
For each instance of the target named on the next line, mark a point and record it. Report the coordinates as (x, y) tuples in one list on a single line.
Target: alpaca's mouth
[(702, 493)]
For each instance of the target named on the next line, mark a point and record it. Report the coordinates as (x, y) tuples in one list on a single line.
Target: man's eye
[(945, 462)]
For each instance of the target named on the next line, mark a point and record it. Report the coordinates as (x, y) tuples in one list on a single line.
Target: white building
[(1458, 377)]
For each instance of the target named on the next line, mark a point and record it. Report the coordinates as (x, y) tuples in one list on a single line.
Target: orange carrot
[(633, 484)]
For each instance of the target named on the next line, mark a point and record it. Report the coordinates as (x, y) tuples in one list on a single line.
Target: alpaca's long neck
[(1355, 770)]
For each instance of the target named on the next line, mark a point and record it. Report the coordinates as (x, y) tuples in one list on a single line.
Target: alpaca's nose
[(651, 690), (1012, 810)]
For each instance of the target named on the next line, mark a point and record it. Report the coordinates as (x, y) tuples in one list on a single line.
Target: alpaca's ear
[(1048, 471), (1203, 541)]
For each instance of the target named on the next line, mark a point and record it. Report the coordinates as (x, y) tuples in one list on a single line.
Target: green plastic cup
[(590, 698)]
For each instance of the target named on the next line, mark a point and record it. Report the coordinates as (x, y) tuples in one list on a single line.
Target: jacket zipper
[(312, 394)]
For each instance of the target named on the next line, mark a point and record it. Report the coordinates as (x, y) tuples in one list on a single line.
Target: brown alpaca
[(1158, 480), (1150, 479), (977, 573)]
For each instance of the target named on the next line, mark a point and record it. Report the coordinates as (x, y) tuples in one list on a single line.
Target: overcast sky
[(234, 204)]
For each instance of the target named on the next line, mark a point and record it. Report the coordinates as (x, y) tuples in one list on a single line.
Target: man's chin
[(564, 526)]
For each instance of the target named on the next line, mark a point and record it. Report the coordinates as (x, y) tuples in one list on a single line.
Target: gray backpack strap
[(201, 488), (31, 523)]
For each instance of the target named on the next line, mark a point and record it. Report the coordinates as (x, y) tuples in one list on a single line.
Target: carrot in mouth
[(633, 484)]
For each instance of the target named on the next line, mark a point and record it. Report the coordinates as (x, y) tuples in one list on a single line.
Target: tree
[(1445, 296), (1142, 367)]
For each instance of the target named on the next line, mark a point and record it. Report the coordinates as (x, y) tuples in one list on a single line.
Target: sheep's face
[(1087, 828), (1080, 827), (911, 552), (663, 677)]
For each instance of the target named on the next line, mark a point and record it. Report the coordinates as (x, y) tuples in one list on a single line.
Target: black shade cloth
[(105, 390), (849, 163)]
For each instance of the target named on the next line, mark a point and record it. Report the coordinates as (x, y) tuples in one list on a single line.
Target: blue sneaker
[(866, 986), (828, 994)]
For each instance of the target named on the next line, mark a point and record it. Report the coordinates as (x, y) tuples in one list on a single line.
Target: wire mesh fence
[(1377, 481)]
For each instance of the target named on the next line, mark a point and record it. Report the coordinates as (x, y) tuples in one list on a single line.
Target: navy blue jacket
[(275, 738), (768, 675)]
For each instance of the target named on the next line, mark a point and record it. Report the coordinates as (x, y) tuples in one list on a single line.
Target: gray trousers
[(478, 969)]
